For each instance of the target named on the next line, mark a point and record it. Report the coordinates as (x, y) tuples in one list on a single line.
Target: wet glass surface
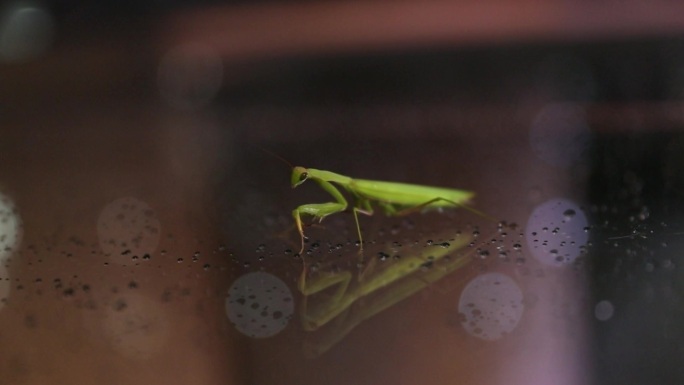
[(147, 237)]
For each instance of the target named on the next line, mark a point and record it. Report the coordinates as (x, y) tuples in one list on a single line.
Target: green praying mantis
[(392, 197)]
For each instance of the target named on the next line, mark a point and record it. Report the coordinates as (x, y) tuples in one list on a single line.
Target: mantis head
[(299, 176)]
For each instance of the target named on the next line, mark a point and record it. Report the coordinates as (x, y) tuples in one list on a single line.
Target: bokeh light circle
[(128, 227), (557, 232), (136, 326), (491, 305), (189, 76), (10, 228), (26, 31), (259, 305), (604, 310)]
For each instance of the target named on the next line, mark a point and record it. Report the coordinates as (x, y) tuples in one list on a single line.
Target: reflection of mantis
[(394, 198), (336, 292)]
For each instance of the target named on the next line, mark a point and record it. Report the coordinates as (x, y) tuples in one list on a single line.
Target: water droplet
[(568, 214), (649, 267), (427, 265)]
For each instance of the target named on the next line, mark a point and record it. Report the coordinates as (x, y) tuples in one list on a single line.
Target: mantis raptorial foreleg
[(320, 210)]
